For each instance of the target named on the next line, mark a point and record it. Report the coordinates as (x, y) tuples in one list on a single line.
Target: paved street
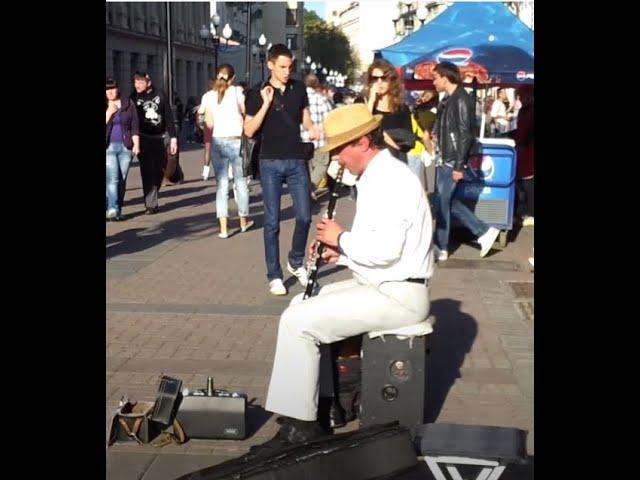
[(182, 302)]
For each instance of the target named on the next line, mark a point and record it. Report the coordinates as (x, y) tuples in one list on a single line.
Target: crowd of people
[(286, 114)]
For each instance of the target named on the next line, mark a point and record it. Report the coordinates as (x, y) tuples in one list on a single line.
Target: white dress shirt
[(391, 237)]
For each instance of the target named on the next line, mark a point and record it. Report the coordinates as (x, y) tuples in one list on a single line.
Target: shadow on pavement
[(166, 192), (257, 416), (140, 239), (453, 335)]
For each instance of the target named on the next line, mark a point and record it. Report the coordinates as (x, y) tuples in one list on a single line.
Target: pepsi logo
[(457, 56), (483, 164), (487, 167)]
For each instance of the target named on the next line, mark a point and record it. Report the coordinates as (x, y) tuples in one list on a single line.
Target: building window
[(134, 62), (292, 17), (117, 66), (190, 85), (150, 66), (292, 41)]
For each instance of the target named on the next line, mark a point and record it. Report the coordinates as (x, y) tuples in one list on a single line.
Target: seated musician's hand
[(328, 231), (311, 249), (330, 255)]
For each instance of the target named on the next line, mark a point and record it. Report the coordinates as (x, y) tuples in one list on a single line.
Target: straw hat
[(348, 123)]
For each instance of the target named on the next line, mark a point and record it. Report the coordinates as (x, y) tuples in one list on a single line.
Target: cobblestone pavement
[(182, 302)]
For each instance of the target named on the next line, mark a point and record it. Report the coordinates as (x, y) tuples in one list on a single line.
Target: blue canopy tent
[(485, 40)]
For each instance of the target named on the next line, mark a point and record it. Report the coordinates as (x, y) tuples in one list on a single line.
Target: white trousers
[(339, 311)]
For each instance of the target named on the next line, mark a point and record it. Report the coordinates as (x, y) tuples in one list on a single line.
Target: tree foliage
[(327, 44)]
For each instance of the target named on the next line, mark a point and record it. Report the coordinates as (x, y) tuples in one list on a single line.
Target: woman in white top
[(224, 112), (499, 114)]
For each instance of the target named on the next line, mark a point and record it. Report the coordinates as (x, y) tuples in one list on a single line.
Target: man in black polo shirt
[(276, 109)]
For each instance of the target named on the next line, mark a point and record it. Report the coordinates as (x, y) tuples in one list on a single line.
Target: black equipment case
[(359, 455), (222, 415)]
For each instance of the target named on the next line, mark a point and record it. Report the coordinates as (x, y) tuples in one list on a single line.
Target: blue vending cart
[(491, 193)]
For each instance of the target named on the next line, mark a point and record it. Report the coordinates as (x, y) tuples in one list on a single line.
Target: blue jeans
[(118, 160), (447, 206), (272, 175), (225, 152)]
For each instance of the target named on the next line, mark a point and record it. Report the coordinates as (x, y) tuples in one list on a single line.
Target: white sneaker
[(276, 287), (527, 221), (443, 256), (487, 240), (300, 273), (113, 213)]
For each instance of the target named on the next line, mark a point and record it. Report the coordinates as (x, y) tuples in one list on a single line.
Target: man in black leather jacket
[(454, 135)]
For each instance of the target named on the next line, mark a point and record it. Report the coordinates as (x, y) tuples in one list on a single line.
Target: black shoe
[(292, 431), (299, 431), (152, 210)]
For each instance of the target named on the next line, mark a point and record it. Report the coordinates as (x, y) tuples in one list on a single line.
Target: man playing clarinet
[(389, 252)]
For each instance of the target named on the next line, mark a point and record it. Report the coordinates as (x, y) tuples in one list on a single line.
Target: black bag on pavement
[(474, 451), (358, 455), (220, 415)]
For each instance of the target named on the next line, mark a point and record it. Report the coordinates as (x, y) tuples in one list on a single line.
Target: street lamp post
[(215, 39), (262, 41), (403, 19), (169, 69), (215, 21)]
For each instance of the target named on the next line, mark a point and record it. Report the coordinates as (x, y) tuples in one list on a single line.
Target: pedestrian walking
[(122, 142), (224, 116), (157, 131), (454, 129)]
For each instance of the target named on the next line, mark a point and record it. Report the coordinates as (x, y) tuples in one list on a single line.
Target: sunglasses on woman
[(375, 78)]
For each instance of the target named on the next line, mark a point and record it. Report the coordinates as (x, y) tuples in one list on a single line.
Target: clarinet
[(314, 261)]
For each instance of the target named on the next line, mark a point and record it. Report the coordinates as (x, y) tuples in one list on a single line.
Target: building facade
[(367, 25), (136, 39)]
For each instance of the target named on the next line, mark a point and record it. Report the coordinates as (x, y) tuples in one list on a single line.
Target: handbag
[(249, 150), (308, 149)]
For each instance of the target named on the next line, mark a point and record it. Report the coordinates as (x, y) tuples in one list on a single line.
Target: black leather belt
[(417, 280)]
